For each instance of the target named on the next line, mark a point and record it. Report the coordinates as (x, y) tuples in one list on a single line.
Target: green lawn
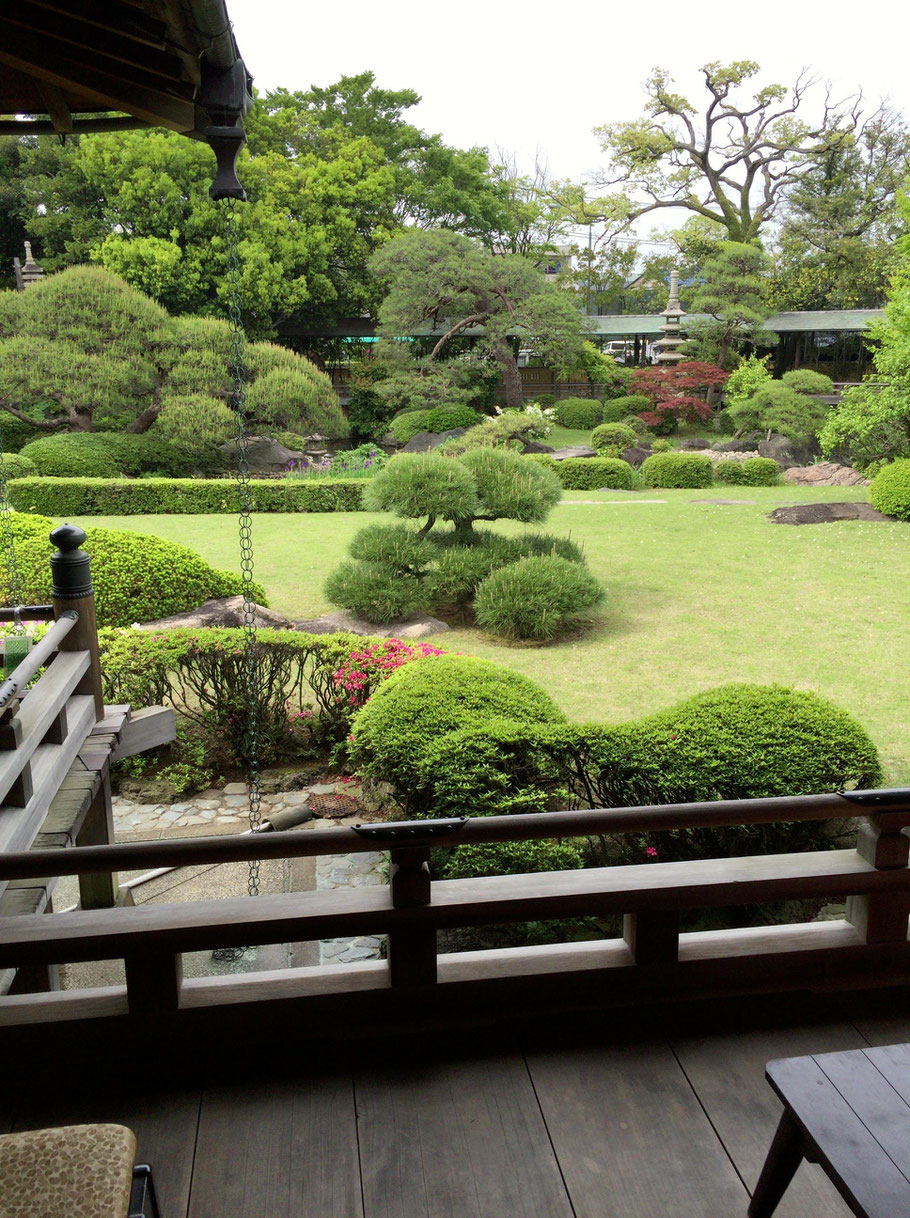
[(697, 595)]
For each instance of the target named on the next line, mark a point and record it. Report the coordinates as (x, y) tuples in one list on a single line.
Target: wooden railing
[(652, 959)]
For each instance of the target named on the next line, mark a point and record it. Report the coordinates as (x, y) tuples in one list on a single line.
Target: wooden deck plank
[(164, 1124), (630, 1136), (456, 1138), (885, 1029), (282, 1150), (728, 1075)]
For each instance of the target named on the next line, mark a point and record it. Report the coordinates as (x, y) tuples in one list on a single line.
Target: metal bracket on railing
[(410, 831), (887, 798)]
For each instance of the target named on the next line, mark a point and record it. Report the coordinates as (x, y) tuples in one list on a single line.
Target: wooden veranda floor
[(632, 1117)]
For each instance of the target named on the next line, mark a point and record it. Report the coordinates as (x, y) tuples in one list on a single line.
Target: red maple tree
[(677, 392)]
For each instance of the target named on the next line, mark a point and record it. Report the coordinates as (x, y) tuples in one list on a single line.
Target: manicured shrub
[(890, 490), (15, 433), (807, 380), (661, 445), (612, 439), (202, 674), (510, 487), (102, 454), (149, 496), (373, 592), (580, 414), (367, 666), (616, 410), (443, 418), (395, 546), (508, 429), (512, 858), (677, 470), (422, 702), (137, 578), (423, 484), (536, 598), (17, 466), (593, 473), (461, 568), (637, 423), (195, 421), (754, 471), (545, 400), (635, 403)]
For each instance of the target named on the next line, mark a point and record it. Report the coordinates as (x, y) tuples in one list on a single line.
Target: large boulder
[(826, 473), (636, 456), (425, 441), (573, 450), (825, 513), (414, 626), (264, 455), (220, 611), (535, 446), (786, 452)]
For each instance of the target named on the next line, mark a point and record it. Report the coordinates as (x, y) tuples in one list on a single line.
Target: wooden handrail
[(38, 656), (478, 831)]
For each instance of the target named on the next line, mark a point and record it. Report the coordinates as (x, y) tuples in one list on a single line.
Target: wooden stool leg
[(783, 1159)]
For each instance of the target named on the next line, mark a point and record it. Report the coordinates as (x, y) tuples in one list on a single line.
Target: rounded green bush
[(579, 413), (754, 471), (105, 454), (661, 445), (402, 550), (615, 411), (594, 473), (635, 403), (462, 565), (422, 702), (890, 490), (508, 485), (636, 422), (677, 470), (536, 598), (373, 591), (752, 742), (611, 439), (422, 484), (137, 577), (442, 418), (806, 380), (17, 466)]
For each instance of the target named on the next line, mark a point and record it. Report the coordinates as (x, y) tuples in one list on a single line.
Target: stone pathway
[(225, 811)]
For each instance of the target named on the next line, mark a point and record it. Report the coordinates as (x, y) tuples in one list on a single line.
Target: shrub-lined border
[(149, 496)]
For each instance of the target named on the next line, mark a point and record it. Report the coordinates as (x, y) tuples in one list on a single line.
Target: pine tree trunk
[(511, 379)]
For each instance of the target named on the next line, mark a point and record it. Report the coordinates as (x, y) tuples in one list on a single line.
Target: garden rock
[(734, 446), (573, 450), (425, 441), (264, 455), (220, 611), (414, 626), (826, 473), (784, 451), (535, 446), (636, 456), (695, 445), (825, 513)]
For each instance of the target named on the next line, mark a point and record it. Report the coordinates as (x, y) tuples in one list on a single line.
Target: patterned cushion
[(79, 1170)]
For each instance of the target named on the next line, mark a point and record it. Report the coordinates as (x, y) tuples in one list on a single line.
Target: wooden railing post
[(72, 589), (412, 952), (653, 938), (881, 917), (153, 981)]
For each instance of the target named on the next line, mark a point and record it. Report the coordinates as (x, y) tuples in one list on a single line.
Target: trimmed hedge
[(137, 578), (890, 490), (580, 414), (17, 466), (105, 454), (615, 410), (422, 702), (125, 497), (677, 470), (754, 471), (588, 473), (613, 438)]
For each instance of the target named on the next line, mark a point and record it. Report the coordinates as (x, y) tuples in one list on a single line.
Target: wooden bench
[(850, 1113)]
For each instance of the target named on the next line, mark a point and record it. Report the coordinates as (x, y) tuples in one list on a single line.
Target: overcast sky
[(534, 75)]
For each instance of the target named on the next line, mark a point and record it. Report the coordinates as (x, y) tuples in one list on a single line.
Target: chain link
[(238, 374), (9, 544)]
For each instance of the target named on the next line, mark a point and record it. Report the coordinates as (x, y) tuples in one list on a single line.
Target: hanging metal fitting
[(225, 95)]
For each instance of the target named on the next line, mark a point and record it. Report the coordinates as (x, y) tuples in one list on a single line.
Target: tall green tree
[(730, 159), (732, 294), (445, 281)]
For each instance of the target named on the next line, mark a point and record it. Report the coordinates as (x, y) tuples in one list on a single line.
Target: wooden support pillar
[(72, 579), (653, 938), (99, 889), (153, 981), (412, 952), (881, 917)]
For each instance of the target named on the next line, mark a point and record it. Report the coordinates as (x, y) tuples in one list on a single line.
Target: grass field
[(697, 595)]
